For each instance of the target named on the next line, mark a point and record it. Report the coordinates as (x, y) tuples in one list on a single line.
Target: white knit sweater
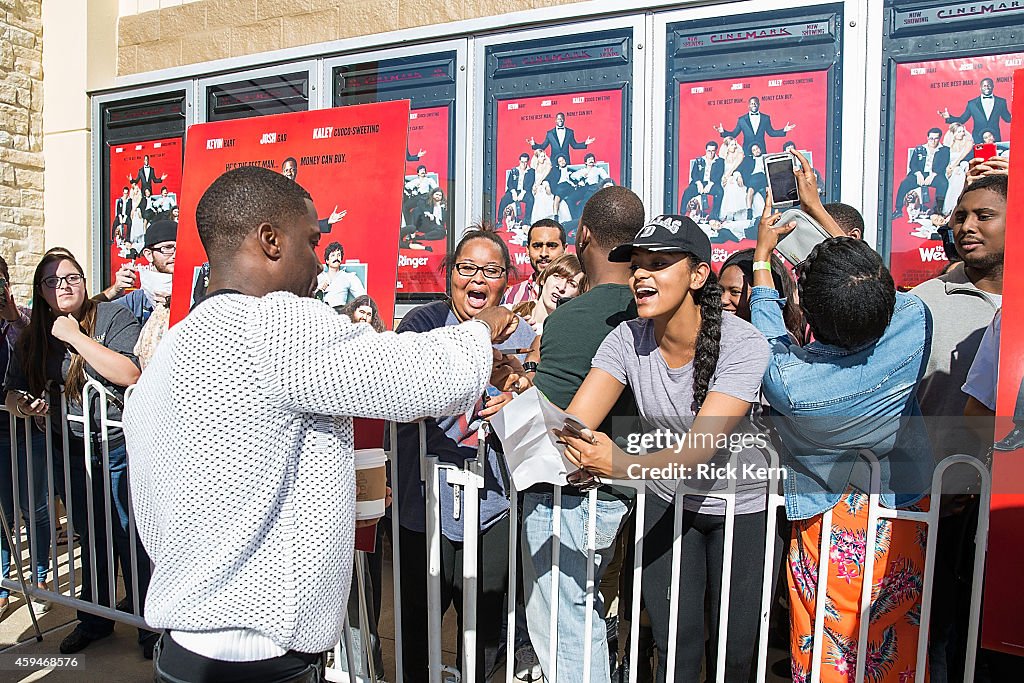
[(240, 443)]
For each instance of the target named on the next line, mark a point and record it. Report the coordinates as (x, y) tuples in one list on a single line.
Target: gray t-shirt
[(960, 312), (664, 397)]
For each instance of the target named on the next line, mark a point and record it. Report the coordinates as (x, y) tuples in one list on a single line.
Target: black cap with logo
[(670, 233)]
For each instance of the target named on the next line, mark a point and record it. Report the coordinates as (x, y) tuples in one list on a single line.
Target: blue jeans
[(538, 517), (37, 524), (93, 539)]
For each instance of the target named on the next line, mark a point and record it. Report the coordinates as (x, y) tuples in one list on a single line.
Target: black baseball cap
[(670, 233), (159, 232)]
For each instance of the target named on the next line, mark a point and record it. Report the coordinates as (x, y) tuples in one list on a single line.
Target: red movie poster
[(943, 108), (145, 182), (425, 203), (725, 126), (584, 129), (1002, 628), (349, 159)]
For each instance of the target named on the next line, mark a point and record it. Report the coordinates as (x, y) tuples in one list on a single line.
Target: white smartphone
[(781, 180), (796, 246)]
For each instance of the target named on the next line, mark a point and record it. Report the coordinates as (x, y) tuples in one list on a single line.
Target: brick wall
[(21, 140), (216, 29)]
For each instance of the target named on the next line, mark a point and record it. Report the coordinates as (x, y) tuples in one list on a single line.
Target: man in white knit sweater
[(240, 440)]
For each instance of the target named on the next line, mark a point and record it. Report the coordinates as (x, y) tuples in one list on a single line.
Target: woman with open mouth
[(693, 372), (478, 273)]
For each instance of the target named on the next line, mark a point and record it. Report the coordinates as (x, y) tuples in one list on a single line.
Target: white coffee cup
[(371, 483)]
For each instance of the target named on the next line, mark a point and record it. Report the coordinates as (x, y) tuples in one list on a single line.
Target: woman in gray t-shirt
[(693, 371)]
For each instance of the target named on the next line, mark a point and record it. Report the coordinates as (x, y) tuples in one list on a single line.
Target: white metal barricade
[(354, 658), (470, 477), (63, 586)]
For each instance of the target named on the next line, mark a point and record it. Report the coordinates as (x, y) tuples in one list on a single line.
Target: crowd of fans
[(634, 332)]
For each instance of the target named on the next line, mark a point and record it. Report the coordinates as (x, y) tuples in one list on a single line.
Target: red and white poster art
[(349, 159), (725, 129), (145, 183), (943, 108), (553, 153), (1002, 628), (426, 206)]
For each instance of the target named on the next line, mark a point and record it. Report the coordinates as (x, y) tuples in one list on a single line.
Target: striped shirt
[(517, 294)]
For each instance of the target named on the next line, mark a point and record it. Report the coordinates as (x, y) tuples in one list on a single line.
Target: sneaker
[(527, 664), (41, 605), (1012, 441)]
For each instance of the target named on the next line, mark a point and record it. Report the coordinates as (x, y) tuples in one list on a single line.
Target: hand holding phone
[(781, 179), (29, 405), (985, 150)]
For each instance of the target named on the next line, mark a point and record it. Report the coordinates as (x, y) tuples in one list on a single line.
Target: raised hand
[(789, 126), (66, 329), (336, 215), (590, 140)]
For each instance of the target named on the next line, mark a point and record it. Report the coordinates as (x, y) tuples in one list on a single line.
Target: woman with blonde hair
[(541, 165), (961, 146), (734, 197), (561, 279)]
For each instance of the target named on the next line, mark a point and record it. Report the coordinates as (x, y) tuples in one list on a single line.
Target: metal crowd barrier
[(353, 657), (63, 580), (470, 477)]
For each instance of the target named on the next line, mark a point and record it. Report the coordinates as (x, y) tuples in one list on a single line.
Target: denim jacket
[(832, 403)]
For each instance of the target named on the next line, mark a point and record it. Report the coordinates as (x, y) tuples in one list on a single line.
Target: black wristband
[(530, 366)]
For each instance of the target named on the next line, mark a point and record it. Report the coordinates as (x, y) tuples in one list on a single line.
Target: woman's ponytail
[(705, 356)]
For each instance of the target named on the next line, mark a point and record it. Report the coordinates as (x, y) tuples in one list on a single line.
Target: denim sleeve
[(766, 314)]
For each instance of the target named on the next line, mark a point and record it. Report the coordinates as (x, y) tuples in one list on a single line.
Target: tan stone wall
[(21, 141), (216, 29)]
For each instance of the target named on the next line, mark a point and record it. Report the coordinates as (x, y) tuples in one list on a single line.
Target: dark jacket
[(979, 122)]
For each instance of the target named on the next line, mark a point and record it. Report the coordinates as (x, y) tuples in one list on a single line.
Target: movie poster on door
[(942, 109), (349, 159), (725, 128), (145, 183), (585, 129), (426, 206)]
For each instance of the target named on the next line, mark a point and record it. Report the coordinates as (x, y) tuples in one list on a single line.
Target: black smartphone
[(781, 179)]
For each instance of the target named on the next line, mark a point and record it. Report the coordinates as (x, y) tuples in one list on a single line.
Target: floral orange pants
[(895, 594)]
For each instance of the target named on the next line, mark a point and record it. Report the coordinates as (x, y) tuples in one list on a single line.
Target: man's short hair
[(787, 144), (711, 143), (614, 215), (934, 130), (291, 159), (589, 156), (848, 218), (524, 155), (989, 80), (125, 189), (421, 167), (242, 199), (546, 223), (993, 183)]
